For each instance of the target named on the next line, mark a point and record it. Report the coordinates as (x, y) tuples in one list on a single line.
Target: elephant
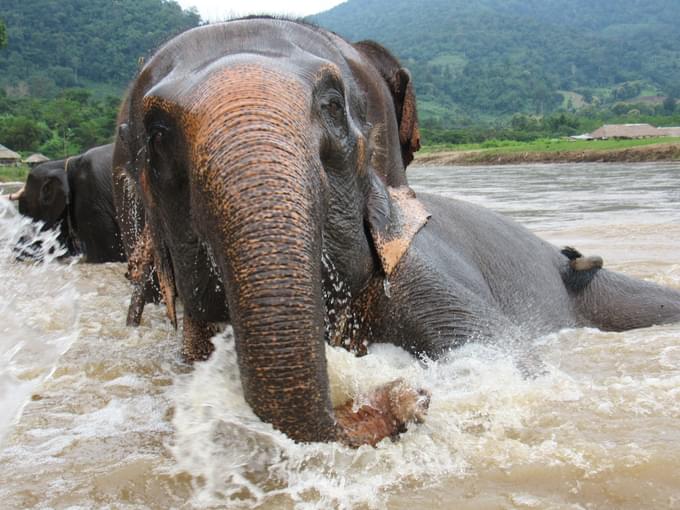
[(75, 196), (270, 156)]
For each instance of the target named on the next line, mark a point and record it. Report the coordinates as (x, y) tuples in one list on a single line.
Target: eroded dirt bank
[(657, 152)]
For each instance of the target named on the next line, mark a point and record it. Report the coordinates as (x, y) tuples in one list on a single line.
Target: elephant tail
[(580, 270)]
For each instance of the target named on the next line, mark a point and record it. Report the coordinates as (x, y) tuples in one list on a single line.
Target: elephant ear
[(53, 197), (400, 85), (394, 217), (409, 133)]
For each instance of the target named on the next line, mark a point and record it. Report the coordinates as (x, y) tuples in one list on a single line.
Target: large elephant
[(75, 195), (270, 156)]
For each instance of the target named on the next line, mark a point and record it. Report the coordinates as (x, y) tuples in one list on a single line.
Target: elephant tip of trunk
[(15, 196), (384, 412)]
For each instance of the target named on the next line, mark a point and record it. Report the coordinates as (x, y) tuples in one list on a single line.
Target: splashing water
[(38, 308)]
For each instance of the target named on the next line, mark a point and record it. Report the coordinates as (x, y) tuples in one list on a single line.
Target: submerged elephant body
[(75, 196), (270, 158), (477, 275)]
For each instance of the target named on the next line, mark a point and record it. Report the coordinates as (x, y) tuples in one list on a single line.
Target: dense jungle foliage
[(489, 69), (489, 59), (69, 43), (67, 63), (67, 124), (3, 35)]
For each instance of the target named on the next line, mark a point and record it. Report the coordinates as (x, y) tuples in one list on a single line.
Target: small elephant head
[(270, 156), (46, 195)]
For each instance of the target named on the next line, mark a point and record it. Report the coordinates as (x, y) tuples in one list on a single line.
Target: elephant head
[(270, 157), (46, 194), (45, 197)]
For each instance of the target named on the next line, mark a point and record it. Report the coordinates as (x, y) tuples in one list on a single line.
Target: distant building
[(625, 131), (8, 157), (585, 136), (35, 159)]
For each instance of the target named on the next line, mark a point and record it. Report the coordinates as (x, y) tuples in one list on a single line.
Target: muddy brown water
[(97, 415)]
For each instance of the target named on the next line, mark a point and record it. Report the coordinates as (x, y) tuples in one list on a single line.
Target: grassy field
[(13, 173), (549, 145)]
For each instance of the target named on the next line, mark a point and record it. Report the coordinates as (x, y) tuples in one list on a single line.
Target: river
[(97, 415)]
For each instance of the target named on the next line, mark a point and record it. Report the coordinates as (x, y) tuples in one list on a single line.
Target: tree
[(23, 133), (3, 35), (669, 105), (63, 115)]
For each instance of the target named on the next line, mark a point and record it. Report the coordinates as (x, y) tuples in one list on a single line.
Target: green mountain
[(484, 59), (68, 43), (474, 61)]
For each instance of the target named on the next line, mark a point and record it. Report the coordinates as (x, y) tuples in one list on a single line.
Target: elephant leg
[(615, 302), (143, 292), (140, 266), (146, 280), (196, 339), (136, 308), (384, 412)]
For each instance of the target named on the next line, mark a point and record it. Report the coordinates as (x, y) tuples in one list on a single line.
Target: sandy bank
[(657, 152)]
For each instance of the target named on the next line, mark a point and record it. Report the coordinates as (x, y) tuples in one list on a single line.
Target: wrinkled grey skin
[(75, 195), (473, 274), (270, 157)]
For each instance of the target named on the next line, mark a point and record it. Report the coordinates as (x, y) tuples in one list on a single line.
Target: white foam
[(38, 304), (238, 461)]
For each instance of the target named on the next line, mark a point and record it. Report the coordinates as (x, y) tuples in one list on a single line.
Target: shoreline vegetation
[(506, 152), (13, 173)]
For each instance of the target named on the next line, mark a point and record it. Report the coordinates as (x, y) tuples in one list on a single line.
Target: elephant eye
[(334, 108), (157, 137)]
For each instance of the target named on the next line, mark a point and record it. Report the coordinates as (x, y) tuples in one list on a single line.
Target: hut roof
[(36, 158), (625, 131), (669, 131), (5, 153)]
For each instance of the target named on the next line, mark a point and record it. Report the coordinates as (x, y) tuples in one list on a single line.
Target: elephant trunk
[(275, 293), (258, 185), (17, 195)]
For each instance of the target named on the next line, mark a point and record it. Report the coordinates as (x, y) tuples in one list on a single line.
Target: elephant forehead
[(231, 95), (245, 95), (242, 112), (190, 90), (248, 83)]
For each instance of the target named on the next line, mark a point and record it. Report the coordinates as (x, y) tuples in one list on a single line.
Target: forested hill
[(474, 62), (491, 58), (68, 43)]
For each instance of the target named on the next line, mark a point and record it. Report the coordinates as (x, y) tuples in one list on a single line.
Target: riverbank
[(559, 152)]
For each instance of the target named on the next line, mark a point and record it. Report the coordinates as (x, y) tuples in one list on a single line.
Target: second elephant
[(75, 196)]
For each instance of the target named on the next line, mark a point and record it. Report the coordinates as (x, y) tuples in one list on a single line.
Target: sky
[(217, 10)]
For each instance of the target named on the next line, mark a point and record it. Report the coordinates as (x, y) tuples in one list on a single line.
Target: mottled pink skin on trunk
[(256, 190)]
